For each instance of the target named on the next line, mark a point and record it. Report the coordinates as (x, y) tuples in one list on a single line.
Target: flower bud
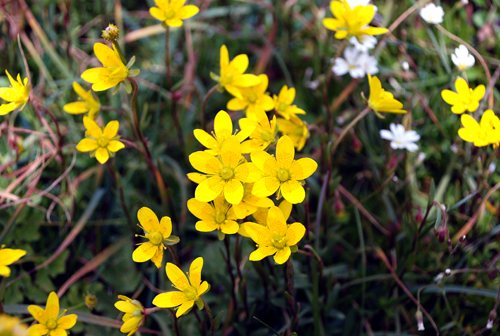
[(442, 233), (111, 33), (90, 301), (420, 320), (418, 216), (491, 319)]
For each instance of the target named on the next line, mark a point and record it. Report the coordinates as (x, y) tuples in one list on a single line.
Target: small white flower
[(432, 13), (420, 326), (405, 66), (368, 63), (349, 65), (462, 59), (489, 325), (464, 2), (439, 277), (421, 157), (363, 43), (400, 138), (492, 167)]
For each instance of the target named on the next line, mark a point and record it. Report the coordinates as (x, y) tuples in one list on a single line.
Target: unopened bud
[(90, 301), (418, 216), (463, 238), (420, 320), (447, 272), (405, 66), (442, 233), (491, 319), (356, 144), (111, 33), (339, 208)]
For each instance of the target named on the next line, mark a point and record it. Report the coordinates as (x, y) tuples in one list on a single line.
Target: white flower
[(462, 59), (492, 167), (363, 43), (349, 65), (432, 13), (368, 63), (405, 66), (465, 2), (489, 325), (400, 138)]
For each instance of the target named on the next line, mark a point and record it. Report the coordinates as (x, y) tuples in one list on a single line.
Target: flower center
[(282, 107), (279, 242), (220, 217), (252, 97), (169, 14), (51, 324), (226, 173), (155, 238), (103, 142), (283, 175), (299, 131), (267, 136), (191, 293)]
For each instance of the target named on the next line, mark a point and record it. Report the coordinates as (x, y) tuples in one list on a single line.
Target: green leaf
[(438, 219), (462, 201), (218, 320), (432, 194), (131, 62)]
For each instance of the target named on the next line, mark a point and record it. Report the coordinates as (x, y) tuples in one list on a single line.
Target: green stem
[(204, 106), (174, 255), (348, 128), (167, 57)]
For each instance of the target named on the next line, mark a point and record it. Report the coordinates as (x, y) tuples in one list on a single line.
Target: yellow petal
[(7, 108), (166, 227), (131, 325), (469, 122), (264, 161), (204, 287), (458, 108), (148, 219), (209, 189), (276, 221), (175, 22), (373, 31), (94, 75), (114, 146), (331, 24), (240, 62), (157, 13), (197, 177), (302, 168), (170, 299), (106, 55), (102, 155), (237, 104), (195, 272), (462, 87), (205, 139), (188, 11), (285, 152), (111, 129), (230, 152), (126, 306), (223, 126), (224, 56), (157, 258), (282, 255), (200, 209), (203, 226), (176, 276), (294, 233), (247, 172), (293, 191), (233, 191), (87, 145), (478, 93), (205, 162), (266, 186), (76, 108), (286, 209), (261, 253), (36, 311), (375, 87), (67, 321), (79, 90), (53, 301), (229, 227), (184, 308), (246, 80), (144, 252), (37, 330)]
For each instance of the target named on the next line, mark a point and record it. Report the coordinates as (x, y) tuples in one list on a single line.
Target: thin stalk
[(174, 255), (210, 316), (204, 106), (348, 127), (237, 257), (117, 178), (167, 57), (230, 271), (289, 284)]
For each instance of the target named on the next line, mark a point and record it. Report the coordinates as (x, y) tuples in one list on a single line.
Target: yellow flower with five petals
[(112, 73), (283, 103), (283, 173), (481, 134), (223, 128), (102, 143), (51, 321), (349, 22), (465, 99), (264, 134), (218, 215), (277, 238), (232, 74), (172, 12), (250, 203), (86, 104), (158, 233), (7, 257), (296, 129), (17, 94), (381, 100), (227, 172), (252, 97), (134, 316), (190, 291)]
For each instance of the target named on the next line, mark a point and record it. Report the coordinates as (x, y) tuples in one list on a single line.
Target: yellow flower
[(113, 72), (226, 172), (261, 216), (349, 22), (283, 103), (381, 100), (223, 128), (250, 203), (102, 143), (52, 321), (172, 12), (481, 134), (251, 97), (264, 134), (7, 257), (190, 290), (218, 215), (17, 94), (232, 76), (157, 232), (12, 326), (283, 173), (296, 129), (134, 314), (86, 103), (276, 238), (465, 98)]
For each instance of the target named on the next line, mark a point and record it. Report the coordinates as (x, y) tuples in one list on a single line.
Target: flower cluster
[(356, 62)]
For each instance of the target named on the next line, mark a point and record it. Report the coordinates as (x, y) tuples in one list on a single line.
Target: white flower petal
[(386, 135)]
